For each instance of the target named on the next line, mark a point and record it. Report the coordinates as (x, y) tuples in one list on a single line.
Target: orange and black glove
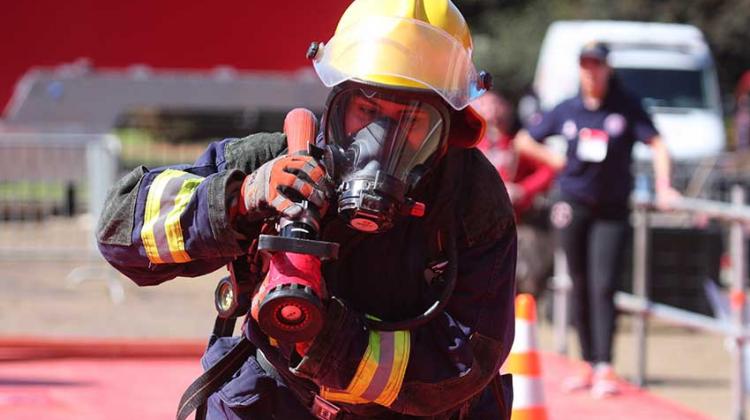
[(282, 184)]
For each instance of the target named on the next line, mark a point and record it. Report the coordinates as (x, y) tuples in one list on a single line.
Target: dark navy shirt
[(600, 144)]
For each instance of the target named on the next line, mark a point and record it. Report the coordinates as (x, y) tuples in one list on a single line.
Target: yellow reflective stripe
[(161, 234), (151, 216), (172, 223), (402, 349), (372, 371)]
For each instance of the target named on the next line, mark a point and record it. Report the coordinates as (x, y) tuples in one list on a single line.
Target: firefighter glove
[(283, 184)]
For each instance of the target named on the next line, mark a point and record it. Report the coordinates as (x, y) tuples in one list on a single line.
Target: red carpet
[(91, 389), (36, 385), (633, 403)]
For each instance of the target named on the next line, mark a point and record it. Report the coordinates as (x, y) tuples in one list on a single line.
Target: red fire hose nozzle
[(292, 311)]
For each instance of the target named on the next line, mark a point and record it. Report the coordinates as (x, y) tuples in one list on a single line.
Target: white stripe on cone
[(527, 392), (525, 340)]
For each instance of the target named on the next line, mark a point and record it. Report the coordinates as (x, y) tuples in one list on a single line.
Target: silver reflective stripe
[(385, 365)]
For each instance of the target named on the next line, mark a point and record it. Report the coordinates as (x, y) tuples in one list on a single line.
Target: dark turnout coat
[(170, 222)]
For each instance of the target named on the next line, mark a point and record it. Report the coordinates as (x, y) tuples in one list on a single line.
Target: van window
[(665, 88)]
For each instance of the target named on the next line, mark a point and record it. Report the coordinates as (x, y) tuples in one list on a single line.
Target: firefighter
[(401, 76)]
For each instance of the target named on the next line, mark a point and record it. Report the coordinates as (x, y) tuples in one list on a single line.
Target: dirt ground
[(40, 298), (37, 299)]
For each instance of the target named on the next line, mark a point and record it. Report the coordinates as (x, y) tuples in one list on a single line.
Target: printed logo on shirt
[(592, 145), (561, 214), (614, 124), (569, 129)]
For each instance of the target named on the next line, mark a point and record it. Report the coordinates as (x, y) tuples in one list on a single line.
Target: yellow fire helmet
[(422, 44)]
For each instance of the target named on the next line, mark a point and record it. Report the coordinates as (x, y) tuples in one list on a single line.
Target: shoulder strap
[(244, 273), (445, 195), (196, 395), (498, 392)]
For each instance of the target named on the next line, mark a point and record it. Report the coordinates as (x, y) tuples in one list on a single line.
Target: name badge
[(592, 145)]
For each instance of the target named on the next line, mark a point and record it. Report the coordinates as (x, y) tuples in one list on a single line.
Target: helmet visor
[(401, 52), (375, 131)]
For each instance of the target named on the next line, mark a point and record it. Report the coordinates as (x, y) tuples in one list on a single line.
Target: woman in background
[(601, 125)]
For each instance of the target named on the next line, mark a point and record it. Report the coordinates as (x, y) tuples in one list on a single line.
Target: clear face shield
[(387, 48), (380, 144)]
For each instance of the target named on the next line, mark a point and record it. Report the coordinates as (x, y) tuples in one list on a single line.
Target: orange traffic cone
[(523, 362)]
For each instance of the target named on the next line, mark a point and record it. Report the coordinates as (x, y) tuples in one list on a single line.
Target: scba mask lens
[(380, 145)]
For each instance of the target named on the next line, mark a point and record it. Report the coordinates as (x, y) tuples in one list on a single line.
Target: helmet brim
[(400, 52)]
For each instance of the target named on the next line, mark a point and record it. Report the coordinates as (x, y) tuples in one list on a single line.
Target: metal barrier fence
[(736, 215), (52, 189)]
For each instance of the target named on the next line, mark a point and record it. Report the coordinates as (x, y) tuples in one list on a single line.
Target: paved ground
[(36, 300), (114, 389)]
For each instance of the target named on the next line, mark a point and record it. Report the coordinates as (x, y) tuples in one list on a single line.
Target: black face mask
[(369, 199), (377, 166)]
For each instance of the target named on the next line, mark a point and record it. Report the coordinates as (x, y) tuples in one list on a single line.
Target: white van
[(668, 65)]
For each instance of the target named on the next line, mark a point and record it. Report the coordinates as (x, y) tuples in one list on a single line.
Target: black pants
[(593, 239)]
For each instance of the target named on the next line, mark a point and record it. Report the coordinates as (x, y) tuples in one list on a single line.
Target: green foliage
[(31, 191), (508, 33)]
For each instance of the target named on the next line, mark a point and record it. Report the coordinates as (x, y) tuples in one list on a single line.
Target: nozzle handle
[(300, 127)]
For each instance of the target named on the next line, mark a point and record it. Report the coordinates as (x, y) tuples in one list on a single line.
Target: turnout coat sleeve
[(173, 221), (436, 367)]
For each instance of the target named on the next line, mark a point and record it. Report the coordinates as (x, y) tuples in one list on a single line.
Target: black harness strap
[(223, 327), (199, 391), (244, 272), (497, 390)]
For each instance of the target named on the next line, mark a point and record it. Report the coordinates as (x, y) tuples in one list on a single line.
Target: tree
[(508, 33)]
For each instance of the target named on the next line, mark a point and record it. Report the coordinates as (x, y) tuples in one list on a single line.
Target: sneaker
[(605, 384), (580, 381)]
